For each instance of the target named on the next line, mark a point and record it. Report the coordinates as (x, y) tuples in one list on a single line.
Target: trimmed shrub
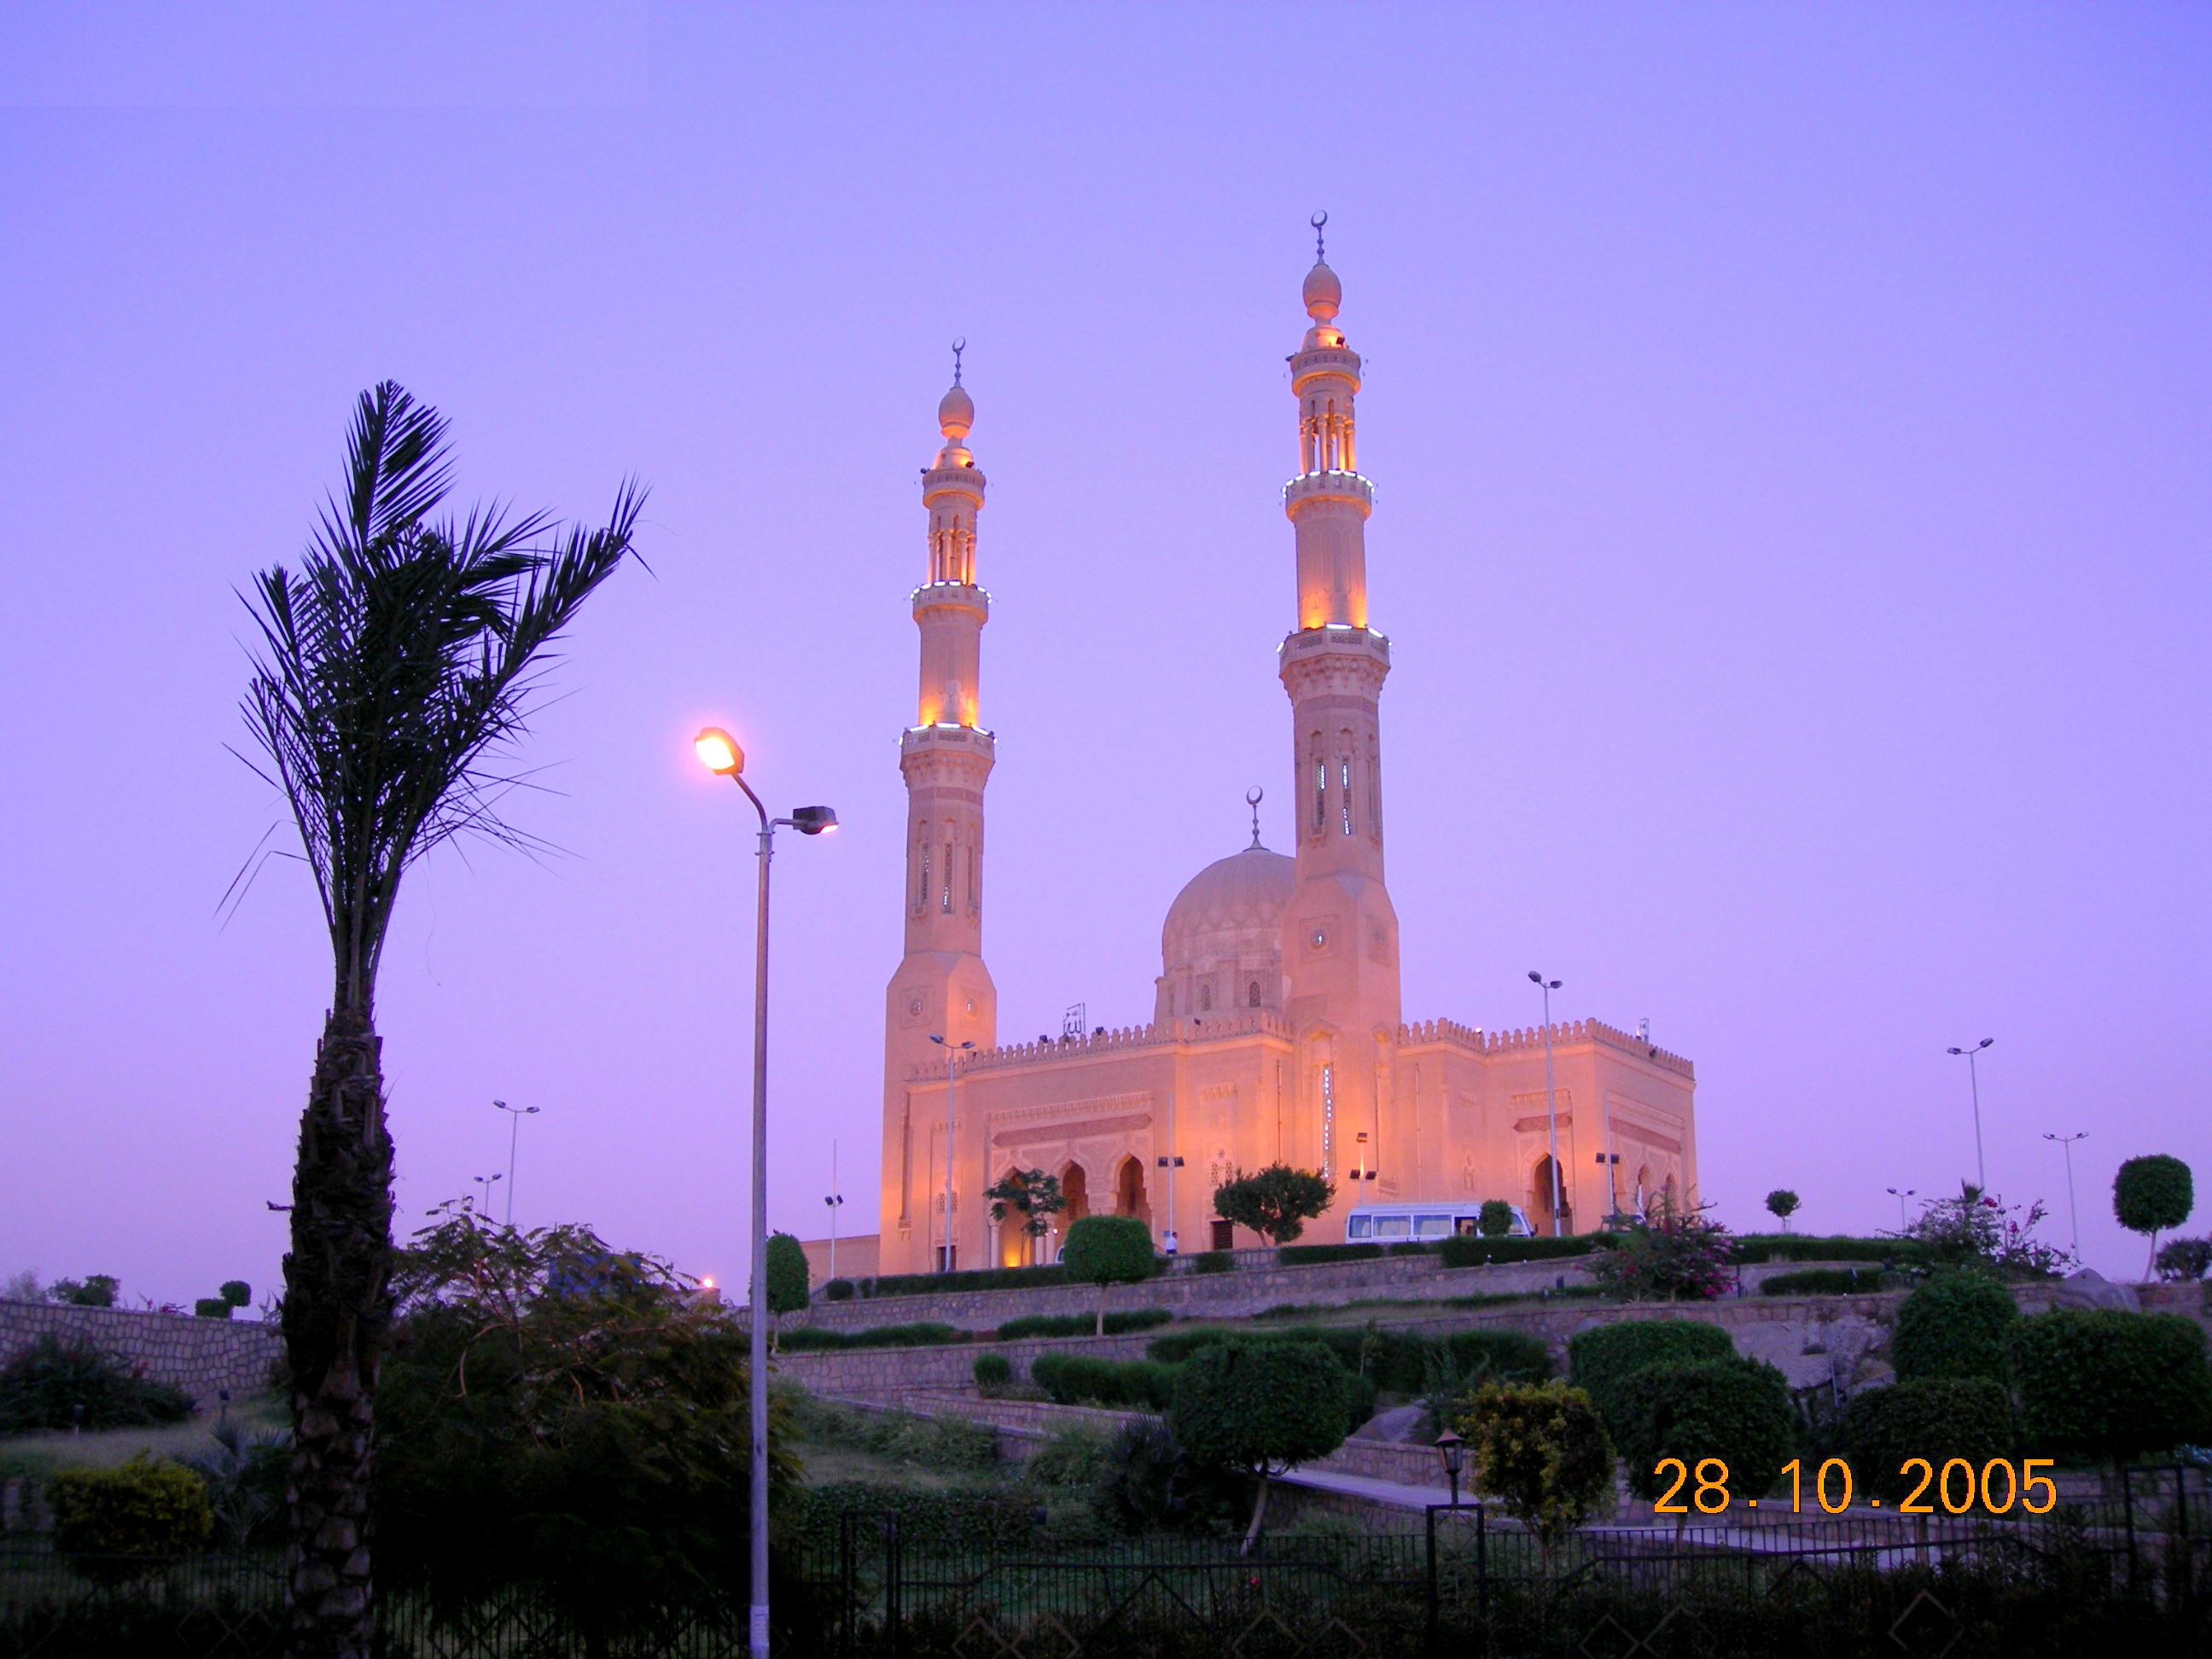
[(1936, 1418), (1107, 1250), (211, 1307), (2105, 1383), (1804, 1247), (974, 1279), (1211, 1262), (1823, 1281), (1133, 1319), (1152, 1484), (2185, 1258), (1261, 1408), (1069, 1379), (1314, 1255), (141, 1509), (837, 1289), (994, 1373), (980, 1515), (788, 1274), (1601, 1361), (922, 1333), (56, 1385), (1540, 1452), (1958, 1324), (1398, 1361), (1495, 1218), (236, 1291), (2151, 1193), (1736, 1410), (1470, 1250)]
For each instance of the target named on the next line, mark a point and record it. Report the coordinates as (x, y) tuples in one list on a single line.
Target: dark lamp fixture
[(813, 820)]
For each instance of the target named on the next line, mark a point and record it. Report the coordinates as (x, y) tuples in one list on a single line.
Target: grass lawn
[(39, 1456)]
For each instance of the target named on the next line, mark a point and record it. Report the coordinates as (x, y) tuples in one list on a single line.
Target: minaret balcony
[(1340, 360), (1330, 485), (950, 596), (1333, 639), (947, 738)]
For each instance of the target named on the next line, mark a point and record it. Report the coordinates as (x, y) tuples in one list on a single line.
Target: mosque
[(1278, 1033)]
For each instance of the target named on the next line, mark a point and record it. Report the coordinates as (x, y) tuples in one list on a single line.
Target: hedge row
[(1070, 1379), (922, 1333), (976, 1279), (1135, 1319), (1812, 1247), (1470, 1250), (1314, 1255), (1824, 1281), (1401, 1361)]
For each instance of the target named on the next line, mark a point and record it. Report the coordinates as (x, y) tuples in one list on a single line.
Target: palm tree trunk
[(338, 1313)]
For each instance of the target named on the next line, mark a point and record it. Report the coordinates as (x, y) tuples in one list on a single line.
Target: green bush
[(1152, 1484), (994, 1373), (1261, 1408), (1602, 1360), (943, 1443), (1133, 1319), (1070, 1379), (92, 1291), (1314, 1255), (974, 1278), (1495, 1218), (1540, 1452), (2105, 1383), (1070, 1458), (837, 1289), (1359, 1401), (1212, 1262), (142, 1509), (212, 1307), (56, 1385), (1275, 1202), (1107, 1250), (922, 1333), (236, 1291), (1823, 1281), (2151, 1193), (2185, 1258), (1397, 1361), (1807, 1246), (978, 1515), (1959, 1324), (1470, 1250), (1937, 1417), (1498, 1355), (788, 1274), (1736, 1410)]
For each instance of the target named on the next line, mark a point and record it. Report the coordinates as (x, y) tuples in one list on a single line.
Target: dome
[(956, 413), (1322, 293), (1246, 889)]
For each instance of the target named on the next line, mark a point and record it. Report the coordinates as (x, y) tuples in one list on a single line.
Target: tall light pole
[(2073, 1215), (1974, 1080), (835, 1200), (515, 1116), (1170, 1162), (1551, 1097), (952, 1051), (486, 1183), (1900, 1194), (719, 752)]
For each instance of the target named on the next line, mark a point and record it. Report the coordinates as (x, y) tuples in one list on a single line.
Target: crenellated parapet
[(1158, 1034), (1565, 1033)]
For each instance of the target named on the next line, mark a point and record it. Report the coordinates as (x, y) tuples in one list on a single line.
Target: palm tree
[(394, 670)]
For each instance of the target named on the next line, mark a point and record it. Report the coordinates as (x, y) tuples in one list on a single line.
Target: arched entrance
[(1129, 1191), (1075, 1189), (1644, 1192), (1540, 1201)]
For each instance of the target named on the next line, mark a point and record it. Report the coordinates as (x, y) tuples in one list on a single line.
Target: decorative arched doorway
[(1075, 1189), (1129, 1191), (1540, 1201)]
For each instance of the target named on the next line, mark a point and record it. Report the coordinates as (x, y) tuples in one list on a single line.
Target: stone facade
[(203, 1357)]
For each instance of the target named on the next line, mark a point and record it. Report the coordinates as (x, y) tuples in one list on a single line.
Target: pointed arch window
[(1320, 785), (1252, 994), (1344, 781), (921, 850), (1205, 999), (947, 902)]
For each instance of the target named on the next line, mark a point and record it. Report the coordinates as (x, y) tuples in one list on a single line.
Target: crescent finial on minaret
[(1252, 797), (1317, 222)]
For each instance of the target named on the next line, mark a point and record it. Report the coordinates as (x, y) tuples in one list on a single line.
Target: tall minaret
[(941, 987), (1340, 932)]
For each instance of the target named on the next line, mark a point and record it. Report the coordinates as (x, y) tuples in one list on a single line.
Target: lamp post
[(515, 1116), (835, 1200), (952, 1057), (1609, 1162), (2073, 1215), (1452, 1451), (484, 1184), (1172, 1162), (1551, 1097), (718, 752), (1974, 1081), (1900, 1194)]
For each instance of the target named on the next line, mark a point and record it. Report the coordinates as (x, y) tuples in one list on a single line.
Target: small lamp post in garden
[(1451, 1451), (1900, 1194)]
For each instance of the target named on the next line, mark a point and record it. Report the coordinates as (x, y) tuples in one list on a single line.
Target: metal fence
[(2131, 1574)]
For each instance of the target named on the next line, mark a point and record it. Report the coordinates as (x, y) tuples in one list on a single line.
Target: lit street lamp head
[(813, 820), (717, 751)]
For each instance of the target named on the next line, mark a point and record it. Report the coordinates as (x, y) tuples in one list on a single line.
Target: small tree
[(788, 1274), (1262, 1408), (1782, 1203), (2185, 1258), (2150, 1193), (1032, 1195), (1974, 1227), (1275, 1202), (236, 1291), (1739, 1411), (92, 1291), (1495, 1218), (1541, 1451), (1108, 1250)]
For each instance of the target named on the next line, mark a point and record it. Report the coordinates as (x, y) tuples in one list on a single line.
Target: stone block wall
[(203, 1357)]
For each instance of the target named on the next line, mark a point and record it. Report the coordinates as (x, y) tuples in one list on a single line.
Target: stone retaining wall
[(203, 1357)]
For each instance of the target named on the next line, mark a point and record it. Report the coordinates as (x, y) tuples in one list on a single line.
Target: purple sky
[(1790, 432)]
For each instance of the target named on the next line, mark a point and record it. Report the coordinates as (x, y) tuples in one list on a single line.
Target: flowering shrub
[(1670, 1255), (1975, 1227)]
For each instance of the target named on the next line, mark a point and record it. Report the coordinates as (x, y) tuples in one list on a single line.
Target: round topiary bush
[(993, 1372), (1108, 1250), (837, 1289), (1599, 1361), (1936, 1418), (787, 1274), (1259, 1408), (1959, 1324), (2101, 1382), (1737, 1410)]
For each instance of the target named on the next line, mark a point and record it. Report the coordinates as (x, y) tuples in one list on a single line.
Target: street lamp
[(835, 1200), (2073, 1216), (515, 1116), (1974, 1080), (1610, 1162), (1452, 1451), (1900, 1194), (718, 752), (952, 1051), (486, 1183), (1171, 1162), (1551, 1097)]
